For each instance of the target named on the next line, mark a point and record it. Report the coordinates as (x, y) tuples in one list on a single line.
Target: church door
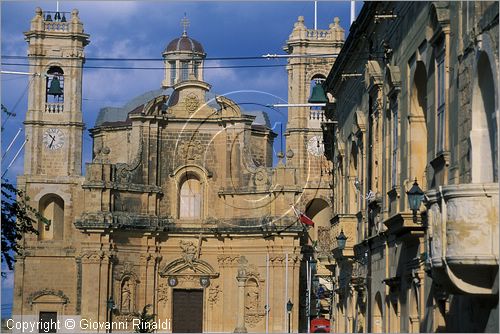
[(187, 311)]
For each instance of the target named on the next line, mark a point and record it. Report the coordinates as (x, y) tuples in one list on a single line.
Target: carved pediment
[(181, 267), (188, 264), (156, 106), (229, 108), (48, 296)]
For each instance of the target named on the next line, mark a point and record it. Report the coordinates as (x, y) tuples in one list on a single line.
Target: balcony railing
[(54, 107), (56, 21), (318, 34)]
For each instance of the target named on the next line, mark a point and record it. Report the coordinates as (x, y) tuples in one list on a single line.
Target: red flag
[(303, 218)]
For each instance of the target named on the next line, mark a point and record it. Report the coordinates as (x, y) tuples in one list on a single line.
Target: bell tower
[(312, 54), (54, 125)]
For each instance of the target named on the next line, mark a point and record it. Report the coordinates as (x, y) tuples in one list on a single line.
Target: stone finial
[(74, 13), (37, 21), (299, 23), (336, 29)]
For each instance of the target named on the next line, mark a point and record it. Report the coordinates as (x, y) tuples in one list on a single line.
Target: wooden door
[(187, 312)]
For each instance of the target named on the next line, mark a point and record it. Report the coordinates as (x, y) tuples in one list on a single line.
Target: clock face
[(53, 139), (315, 146)]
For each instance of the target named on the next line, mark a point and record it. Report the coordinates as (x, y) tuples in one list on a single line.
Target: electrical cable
[(153, 68), (263, 57), (17, 103)]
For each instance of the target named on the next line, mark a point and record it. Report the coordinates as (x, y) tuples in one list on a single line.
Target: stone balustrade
[(56, 26), (318, 34), (54, 107), (317, 115)]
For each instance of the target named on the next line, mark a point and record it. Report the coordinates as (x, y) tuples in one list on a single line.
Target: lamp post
[(415, 197), (341, 240), (289, 307), (110, 304)]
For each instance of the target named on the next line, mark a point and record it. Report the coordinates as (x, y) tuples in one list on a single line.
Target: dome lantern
[(183, 58)]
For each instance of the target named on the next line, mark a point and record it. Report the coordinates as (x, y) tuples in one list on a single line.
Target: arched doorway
[(320, 212), (418, 126), (483, 136)]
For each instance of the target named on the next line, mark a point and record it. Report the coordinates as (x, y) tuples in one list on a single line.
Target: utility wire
[(326, 55), (11, 113), (153, 68)]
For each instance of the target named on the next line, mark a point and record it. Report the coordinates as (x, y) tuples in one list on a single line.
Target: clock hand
[(50, 145)]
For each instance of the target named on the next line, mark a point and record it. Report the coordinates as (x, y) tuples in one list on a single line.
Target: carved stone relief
[(190, 150), (214, 294)]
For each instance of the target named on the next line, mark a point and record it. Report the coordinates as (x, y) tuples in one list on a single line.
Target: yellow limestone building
[(180, 208)]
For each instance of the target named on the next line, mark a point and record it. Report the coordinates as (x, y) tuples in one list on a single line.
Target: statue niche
[(254, 310), (125, 289), (126, 296)]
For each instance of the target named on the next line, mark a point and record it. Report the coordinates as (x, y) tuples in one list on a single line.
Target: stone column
[(241, 278)]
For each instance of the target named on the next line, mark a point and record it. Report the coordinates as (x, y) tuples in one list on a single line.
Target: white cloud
[(226, 75)]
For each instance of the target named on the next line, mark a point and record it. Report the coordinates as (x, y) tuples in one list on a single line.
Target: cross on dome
[(185, 25)]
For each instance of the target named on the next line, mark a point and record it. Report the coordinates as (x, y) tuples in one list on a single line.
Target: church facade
[(180, 209)]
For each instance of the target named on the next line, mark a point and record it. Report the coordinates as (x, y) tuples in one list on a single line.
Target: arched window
[(317, 79), (353, 180), (418, 126), (52, 208), (484, 132), (190, 198), (55, 84)]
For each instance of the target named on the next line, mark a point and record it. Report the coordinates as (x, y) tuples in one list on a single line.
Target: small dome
[(184, 43)]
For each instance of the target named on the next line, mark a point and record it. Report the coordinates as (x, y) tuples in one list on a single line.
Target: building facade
[(416, 102), (180, 209)]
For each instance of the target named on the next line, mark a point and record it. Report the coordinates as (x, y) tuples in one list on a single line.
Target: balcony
[(463, 235)]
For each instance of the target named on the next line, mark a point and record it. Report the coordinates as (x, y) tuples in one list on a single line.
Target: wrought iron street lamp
[(415, 197), (341, 240)]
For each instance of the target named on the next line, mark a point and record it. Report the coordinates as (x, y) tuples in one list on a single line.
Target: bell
[(318, 95), (57, 16), (55, 87), (63, 18), (48, 18)]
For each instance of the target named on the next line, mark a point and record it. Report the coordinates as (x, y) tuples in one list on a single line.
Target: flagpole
[(267, 293), (307, 299), (286, 291)]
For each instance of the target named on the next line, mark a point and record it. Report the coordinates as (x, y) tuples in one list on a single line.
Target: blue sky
[(133, 29)]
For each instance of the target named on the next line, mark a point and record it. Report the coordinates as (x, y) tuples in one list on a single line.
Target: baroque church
[(181, 208)]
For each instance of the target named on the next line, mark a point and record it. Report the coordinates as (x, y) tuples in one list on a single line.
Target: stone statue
[(126, 296)]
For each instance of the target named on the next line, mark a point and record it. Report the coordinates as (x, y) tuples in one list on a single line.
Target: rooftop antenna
[(185, 25), (315, 15), (57, 6)]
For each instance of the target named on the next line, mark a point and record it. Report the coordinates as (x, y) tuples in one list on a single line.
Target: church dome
[(184, 43)]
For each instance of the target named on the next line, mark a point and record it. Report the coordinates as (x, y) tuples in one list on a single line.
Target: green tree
[(18, 218), (146, 321)]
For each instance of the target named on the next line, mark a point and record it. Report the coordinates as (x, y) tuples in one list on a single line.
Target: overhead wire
[(11, 112), (153, 68), (263, 57)]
